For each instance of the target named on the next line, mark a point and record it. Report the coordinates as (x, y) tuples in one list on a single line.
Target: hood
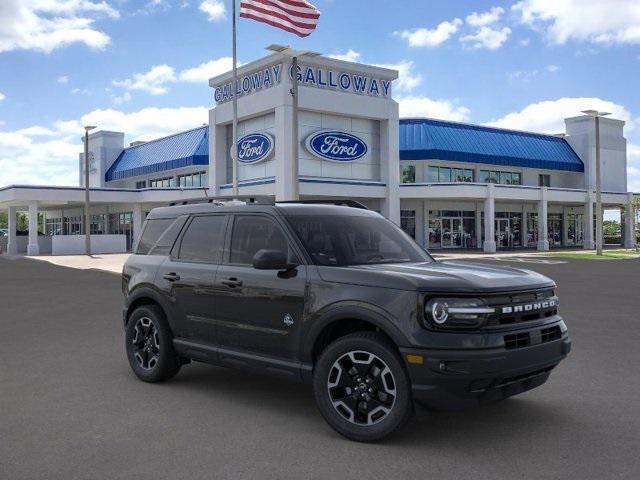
[(448, 277)]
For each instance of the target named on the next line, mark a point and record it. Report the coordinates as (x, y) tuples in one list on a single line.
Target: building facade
[(448, 185)]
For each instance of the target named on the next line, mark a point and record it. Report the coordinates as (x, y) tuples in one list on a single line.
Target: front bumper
[(453, 379)]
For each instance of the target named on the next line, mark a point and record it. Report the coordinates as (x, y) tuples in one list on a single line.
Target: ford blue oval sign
[(255, 148), (336, 146)]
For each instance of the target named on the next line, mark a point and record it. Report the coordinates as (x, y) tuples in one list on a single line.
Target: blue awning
[(183, 149), (427, 139)]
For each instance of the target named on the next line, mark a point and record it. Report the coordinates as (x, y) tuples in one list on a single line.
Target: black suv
[(341, 298)]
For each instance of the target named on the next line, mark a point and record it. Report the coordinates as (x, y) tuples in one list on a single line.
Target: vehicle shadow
[(517, 418)]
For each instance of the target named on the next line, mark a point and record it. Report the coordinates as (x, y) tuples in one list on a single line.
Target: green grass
[(618, 254)]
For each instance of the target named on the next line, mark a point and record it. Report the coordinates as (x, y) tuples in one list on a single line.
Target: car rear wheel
[(361, 387), (149, 345)]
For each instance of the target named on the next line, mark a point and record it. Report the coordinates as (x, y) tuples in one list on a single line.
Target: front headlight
[(456, 312)]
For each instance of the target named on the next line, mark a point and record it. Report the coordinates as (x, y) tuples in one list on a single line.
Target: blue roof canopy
[(176, 151), (427, 139)]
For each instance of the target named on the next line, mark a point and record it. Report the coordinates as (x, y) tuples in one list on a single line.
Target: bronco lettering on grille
[(530, 307)]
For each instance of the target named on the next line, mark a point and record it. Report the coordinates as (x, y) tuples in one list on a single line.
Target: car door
[(188, 275), (259, 311)]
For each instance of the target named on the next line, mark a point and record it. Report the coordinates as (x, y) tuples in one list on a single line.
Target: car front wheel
[(362, 388)]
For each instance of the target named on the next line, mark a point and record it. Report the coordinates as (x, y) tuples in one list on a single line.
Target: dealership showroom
[(448, 185)]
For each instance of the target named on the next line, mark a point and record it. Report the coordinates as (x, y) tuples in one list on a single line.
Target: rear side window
[(204, 239), (152, 233)]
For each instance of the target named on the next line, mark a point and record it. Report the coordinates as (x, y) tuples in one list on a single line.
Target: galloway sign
[(331, 79), (248, 84), (255, 148), (336, 146)]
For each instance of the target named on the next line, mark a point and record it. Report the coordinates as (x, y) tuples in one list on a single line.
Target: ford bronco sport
[(339, 297)]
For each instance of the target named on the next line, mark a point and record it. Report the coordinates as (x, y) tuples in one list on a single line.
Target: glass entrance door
[(451, 233), (504, 236)]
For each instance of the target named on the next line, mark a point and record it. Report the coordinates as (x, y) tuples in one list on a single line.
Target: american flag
[(294, 16)]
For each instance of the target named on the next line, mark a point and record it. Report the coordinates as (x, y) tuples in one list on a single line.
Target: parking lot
[(71, 409)]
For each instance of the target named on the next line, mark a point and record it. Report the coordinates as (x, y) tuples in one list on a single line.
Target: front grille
[(517, 340), (521, 307), (524, 339)]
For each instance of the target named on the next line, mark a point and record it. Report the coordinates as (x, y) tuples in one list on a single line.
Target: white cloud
[(527, 75), (487, 37), (552, 68), (595, 21), (154, 81), (120, 99), (48, 155), (548, 116), (424, 37), (2, 96), (525, 42), (45, 25), (407, 78), (63, 79), (419, 106), (486, 18), (203, 72), (349, 56), (214, 9)]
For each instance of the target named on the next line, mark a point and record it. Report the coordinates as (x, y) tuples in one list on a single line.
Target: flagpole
[(234, 144), (295, 194)]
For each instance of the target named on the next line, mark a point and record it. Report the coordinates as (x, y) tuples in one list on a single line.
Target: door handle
[(232, 282), (172, 277)]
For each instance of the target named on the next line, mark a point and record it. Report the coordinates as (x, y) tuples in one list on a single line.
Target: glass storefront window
[(504, 178), (575, 229), (452, 229), (445, 175), (532, 229), (435, 229), (408, 174), (432, 174), (408, 222), (554, 229)]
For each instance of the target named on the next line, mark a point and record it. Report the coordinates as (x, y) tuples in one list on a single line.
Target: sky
[(141, 66)]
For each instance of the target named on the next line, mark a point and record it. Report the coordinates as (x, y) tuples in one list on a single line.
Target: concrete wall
[(74, 244)]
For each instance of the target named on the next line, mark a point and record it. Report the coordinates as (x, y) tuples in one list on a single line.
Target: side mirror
[(271, 260)]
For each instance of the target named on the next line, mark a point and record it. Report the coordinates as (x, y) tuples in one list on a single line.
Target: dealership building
[(449, 185)]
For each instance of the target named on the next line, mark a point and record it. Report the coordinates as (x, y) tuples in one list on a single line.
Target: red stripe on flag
[(276, 5), (274, 24), (272, 13)]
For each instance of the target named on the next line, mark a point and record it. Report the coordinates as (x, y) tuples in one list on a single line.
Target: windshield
[(341, 240)]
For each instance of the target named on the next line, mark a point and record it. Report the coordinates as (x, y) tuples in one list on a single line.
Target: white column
[(12, 245), (629, 224), (33, 248), (478, 226), (425, 225), (489, 245), (589, 242), (137, 223), (389, 163), (284, 186), (565, 227), (543, 240)]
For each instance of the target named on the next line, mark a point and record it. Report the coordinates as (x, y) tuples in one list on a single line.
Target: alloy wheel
[(361, 387), (146, 343)]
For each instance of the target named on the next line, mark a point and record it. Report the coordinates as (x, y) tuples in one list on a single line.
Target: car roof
[(285, 209)]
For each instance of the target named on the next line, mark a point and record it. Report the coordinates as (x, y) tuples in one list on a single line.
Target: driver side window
[(252, 233)]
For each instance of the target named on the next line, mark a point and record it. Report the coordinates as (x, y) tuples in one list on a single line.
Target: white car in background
[(4, 232)]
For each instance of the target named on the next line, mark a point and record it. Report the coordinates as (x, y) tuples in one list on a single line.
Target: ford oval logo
[(336, 146), (255, 148)]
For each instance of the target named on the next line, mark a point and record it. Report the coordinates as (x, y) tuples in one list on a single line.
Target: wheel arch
[(144, 296), (345, 319)]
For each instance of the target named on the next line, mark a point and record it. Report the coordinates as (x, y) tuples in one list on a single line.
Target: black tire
[(149, 345), (348, 408)]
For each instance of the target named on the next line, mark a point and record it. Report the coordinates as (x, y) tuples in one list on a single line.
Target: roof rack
[(220, 200), (338, 202)]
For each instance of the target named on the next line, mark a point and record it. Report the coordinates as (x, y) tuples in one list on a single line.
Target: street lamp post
[(87, 216), (295, 146), (596, 114)]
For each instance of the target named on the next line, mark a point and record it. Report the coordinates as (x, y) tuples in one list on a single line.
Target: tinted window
[(253, 233), (204, 239), (168, 238), (353, 240), (152, 232)]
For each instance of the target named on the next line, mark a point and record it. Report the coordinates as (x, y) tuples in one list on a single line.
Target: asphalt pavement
[(70, 408)]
